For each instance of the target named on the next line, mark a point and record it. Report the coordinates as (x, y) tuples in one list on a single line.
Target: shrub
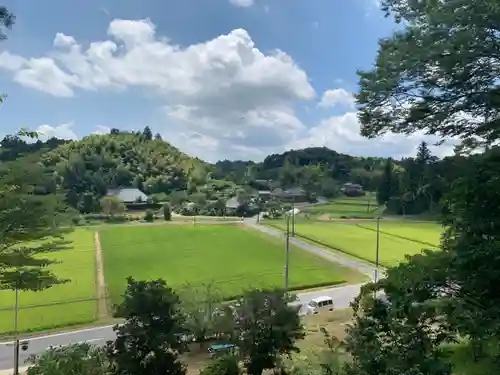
[(225, 365), (149, 216), (167, 212)]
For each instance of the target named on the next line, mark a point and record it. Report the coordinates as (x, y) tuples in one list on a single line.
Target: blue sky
[(217, 78)]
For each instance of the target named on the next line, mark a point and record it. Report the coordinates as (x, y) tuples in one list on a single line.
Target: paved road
[(341, 296), (332, 256)]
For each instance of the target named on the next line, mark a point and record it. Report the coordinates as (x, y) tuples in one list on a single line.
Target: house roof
[(128, 195), (232, 203)]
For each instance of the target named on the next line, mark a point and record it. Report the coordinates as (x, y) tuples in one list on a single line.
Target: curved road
[(342, 296)]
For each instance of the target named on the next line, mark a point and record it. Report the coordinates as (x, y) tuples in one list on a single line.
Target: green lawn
[(356, 241), (234, 257), (424, 232), (77, 264)]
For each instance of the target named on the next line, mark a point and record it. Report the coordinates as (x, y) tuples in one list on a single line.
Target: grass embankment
[(234, 257), (51, 308), (360, 239)]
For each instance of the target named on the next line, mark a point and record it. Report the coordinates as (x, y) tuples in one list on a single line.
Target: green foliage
[(77, 359), (150, 339), (226, 365), (199, 304), (7, 20), (91, 166), (167, 212), (112, 205), (437, 74), (265, 327), (149, 215), (32, 217)]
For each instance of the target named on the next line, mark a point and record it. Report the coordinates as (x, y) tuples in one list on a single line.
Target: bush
[(149, 216), (167, 212), (225, 365)]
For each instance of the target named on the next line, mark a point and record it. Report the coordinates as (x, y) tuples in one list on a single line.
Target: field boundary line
[(399, 236), (339, 256), (330, 247), (102, 306)]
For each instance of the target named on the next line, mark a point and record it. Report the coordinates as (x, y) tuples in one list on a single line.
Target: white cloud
[(337, 98), (224, 93), (63, 131), (101, 129), (223, 98), (342, 134), (242, 3)]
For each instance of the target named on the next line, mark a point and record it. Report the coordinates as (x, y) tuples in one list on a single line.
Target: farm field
[(234, 257), (357, 241), (77, 264), (358, 207), (423, 232)]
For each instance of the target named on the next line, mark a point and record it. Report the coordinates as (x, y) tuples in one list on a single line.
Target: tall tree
[(150, 339), (439, 74), (147, 134), (388, 183), (33, 223), (265, 327)]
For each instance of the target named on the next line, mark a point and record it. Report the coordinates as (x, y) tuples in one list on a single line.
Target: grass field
[(234, 257), (360, 242), (427, 233), (357, 207), (77, 264)]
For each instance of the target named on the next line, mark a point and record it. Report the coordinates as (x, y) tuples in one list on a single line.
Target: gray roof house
[(232, 203), (128, 195)]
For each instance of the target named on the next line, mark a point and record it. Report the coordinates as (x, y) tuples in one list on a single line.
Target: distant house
[(296, 194), (232, 203), (129, 196), (352, 189), (264, 193)]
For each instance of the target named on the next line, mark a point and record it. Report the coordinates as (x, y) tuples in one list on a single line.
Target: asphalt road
[(341, 296)]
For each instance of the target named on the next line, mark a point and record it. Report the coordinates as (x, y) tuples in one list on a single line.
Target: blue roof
[(128, 195)]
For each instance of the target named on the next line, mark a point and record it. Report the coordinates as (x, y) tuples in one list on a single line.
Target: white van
[(319, 304)]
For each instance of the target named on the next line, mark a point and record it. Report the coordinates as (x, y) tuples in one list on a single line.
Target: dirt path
[(102, 307)]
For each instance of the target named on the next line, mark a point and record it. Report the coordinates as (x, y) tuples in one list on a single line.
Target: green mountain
[(87, 168)]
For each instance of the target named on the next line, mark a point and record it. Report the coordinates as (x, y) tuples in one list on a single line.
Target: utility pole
[(377, 247), (287, 251), (293, 216), (16, 335)]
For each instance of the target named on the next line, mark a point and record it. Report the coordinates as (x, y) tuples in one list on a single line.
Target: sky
[(219, 79)]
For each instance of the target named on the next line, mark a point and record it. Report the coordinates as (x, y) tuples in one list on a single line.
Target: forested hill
[(298, 167), (87, 168)]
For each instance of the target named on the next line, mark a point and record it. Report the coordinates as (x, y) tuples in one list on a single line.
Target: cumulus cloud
[(222, 98), (242, 3), (224, 93), (342, 134), (63, 131), (337, 98)]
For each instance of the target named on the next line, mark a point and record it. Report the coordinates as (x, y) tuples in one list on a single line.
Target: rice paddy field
[(346, 207), (359, 238), (232, 256), (50, 308)]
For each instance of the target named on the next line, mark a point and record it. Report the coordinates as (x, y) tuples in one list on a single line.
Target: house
[(296, 194), (352, 189), (129, 196), (232, 203)]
